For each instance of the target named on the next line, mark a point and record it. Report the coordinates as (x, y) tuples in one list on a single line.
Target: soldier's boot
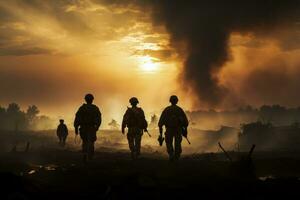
[(90, 156), (84, 151), (84, 159), (90, 152), (64, 142), (176, 157), (133, 155), (177, 153), (170, 151), (171, 157), (138, 153)]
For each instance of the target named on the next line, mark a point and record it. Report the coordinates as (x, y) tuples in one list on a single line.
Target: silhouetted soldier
[(134, 119), (175, 121), (62, 132), (88, 120)]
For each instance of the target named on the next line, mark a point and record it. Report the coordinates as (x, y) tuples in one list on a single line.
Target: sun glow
[(148, 65)]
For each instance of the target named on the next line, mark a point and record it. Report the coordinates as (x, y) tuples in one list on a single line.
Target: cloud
[(162, 55), (205, 27)]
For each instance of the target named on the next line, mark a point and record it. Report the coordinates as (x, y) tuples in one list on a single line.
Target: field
[(47, 171)]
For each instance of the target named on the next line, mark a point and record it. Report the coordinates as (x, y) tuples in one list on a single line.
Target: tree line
[(275, 114), (13, 118)]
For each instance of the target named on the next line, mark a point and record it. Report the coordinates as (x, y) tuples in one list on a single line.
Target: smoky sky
[(204, 29), (223, 51)]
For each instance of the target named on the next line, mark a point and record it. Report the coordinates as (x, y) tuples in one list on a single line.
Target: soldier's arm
[(124, 121), (67, 131), (161, 121), (99, 118), (57, 130), (144, 118), (185, 119), (77, 121)]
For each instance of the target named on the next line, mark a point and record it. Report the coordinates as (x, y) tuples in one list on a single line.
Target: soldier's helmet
[(61, 121), (89, 98), (133, 101), (173, 99)]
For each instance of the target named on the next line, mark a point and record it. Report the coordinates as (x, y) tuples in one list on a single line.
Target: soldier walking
[(175, 121), (62, 132), (87, 123), (134, 120)]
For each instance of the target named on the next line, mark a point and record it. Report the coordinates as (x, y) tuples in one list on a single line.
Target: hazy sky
[(54, 52)]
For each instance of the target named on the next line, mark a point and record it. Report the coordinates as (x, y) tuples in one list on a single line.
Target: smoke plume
[(204, 29)]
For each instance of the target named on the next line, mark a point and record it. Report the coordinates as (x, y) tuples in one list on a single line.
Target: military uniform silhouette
[(134, 119), (88, 120), (175, 121), (62, 132)]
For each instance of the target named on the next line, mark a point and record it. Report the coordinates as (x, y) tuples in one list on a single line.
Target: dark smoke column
[(205, 27)]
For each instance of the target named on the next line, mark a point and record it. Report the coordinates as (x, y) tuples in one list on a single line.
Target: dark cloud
[(200, 32), (276, 86), (205, 28)]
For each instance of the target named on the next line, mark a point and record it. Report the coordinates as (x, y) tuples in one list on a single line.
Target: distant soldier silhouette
[(88, 121), (134, 119), (176, 123), (62, 132)]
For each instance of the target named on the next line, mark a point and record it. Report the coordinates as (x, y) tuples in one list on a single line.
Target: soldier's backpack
[(174, 119), (136, 118), (87, 115)]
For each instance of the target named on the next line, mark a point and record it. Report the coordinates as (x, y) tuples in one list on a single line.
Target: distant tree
[(16, 118), (31, 115), (13, 109), (2, 117), (276, 113), (114, 124), (154, 121)]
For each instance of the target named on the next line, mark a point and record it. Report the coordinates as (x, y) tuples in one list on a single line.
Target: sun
[(147, 64)]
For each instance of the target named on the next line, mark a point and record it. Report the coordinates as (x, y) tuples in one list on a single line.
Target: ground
[(50, 171)]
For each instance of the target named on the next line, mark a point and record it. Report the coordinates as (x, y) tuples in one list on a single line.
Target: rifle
[(146, 130), (184, 134), (187, 139)]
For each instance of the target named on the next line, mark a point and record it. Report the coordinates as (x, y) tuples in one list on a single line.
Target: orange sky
[(53, 52)]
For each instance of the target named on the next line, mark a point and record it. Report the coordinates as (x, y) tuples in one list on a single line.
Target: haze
[(54, 52)]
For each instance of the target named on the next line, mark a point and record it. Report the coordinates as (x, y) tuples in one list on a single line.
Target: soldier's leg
[(91, 143), (64, 140), (178, 140), (84, 148), (138, 140), (130, 138), (169, 143), (84, 144), (91, 149)]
